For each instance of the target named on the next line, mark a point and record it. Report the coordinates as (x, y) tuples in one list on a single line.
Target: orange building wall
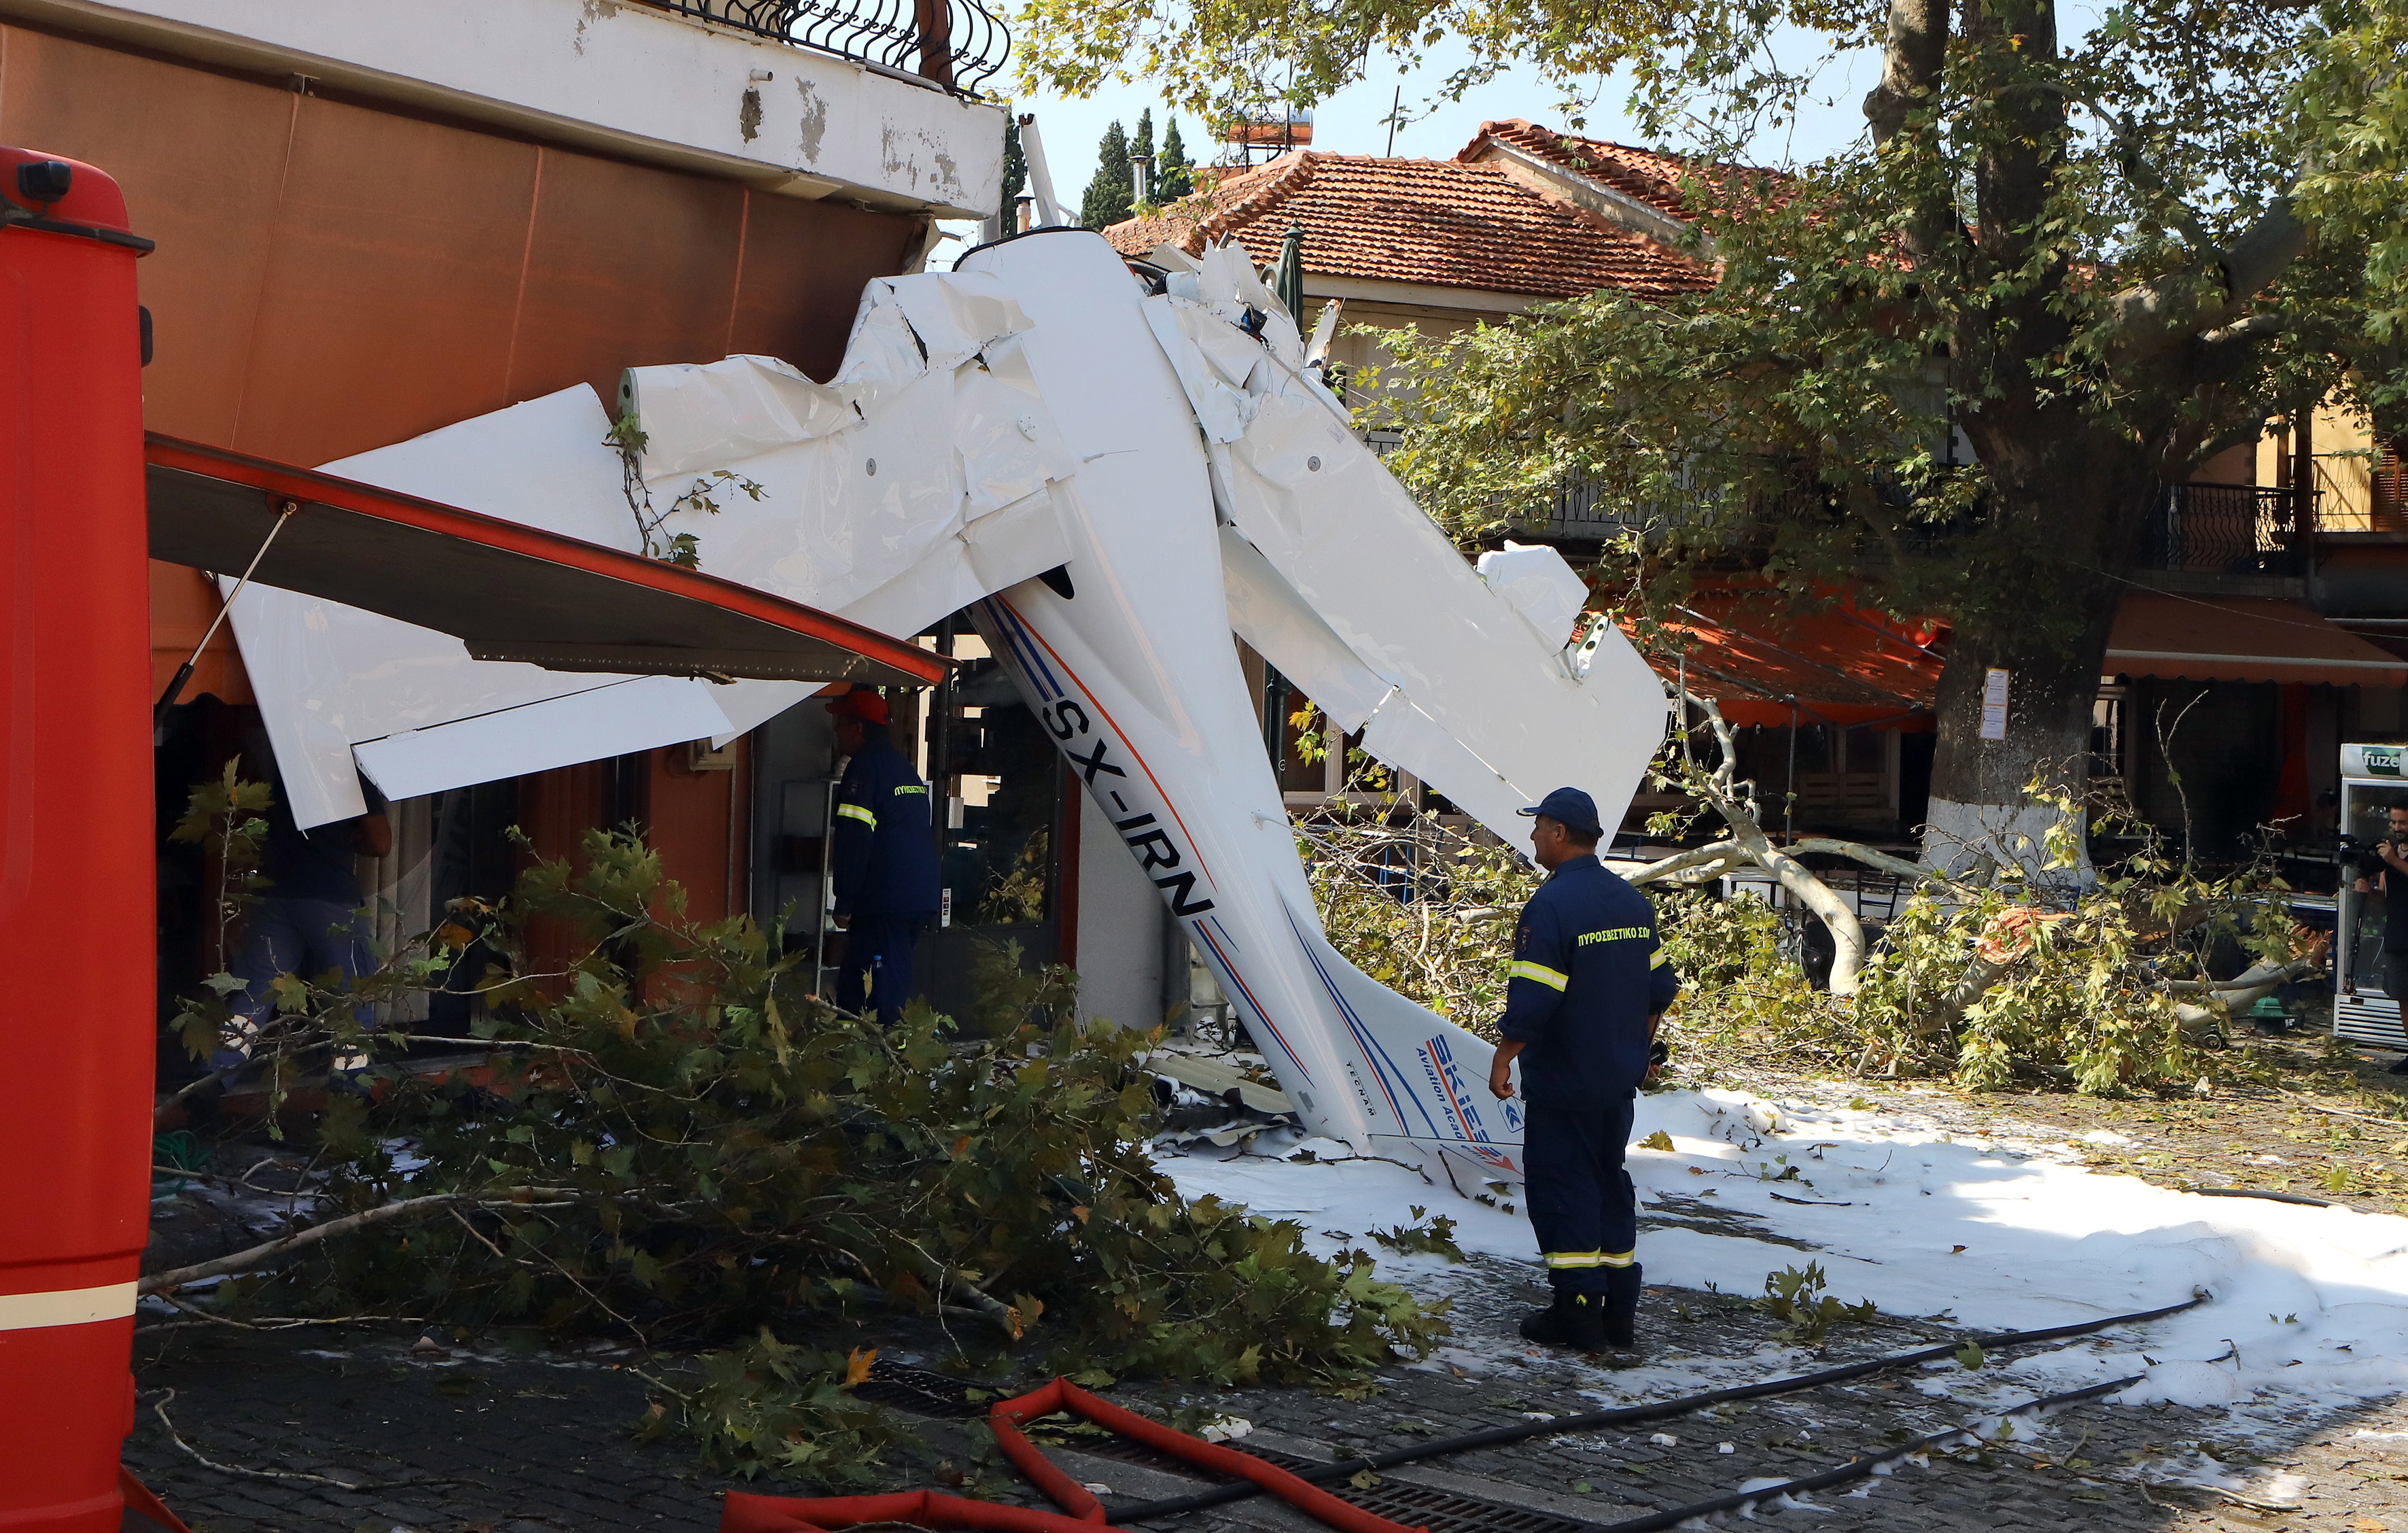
[(183, 603), (333, 276), (700, 823)]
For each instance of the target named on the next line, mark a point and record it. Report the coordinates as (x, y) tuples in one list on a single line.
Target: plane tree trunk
[(2072, 475), (2045, 621)]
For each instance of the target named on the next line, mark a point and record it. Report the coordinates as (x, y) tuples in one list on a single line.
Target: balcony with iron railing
[(957, 45), (1580, 510), (2247, 530), (2195, 531)]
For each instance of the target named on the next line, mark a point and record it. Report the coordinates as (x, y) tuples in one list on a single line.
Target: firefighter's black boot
[(1619, 1323), (1574, 1320)]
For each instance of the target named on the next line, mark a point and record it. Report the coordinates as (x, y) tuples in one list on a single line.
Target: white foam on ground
[(2310, 1306)]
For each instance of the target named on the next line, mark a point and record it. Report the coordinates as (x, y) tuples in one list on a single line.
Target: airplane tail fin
[(1430, 1075)]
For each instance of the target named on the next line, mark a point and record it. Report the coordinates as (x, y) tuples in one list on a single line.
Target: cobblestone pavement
[(479, 1441), (488, 1442)]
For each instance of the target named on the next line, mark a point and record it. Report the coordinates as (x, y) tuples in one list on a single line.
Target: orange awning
[(1838, 665), (2241, 638)]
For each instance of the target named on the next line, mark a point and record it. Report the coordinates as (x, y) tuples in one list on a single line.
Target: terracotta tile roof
[(1441, 222), (1643, 174)]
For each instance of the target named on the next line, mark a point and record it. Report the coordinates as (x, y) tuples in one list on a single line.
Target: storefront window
[(999, 778)]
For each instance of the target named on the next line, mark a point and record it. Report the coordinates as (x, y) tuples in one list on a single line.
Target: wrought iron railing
[(2230, 529), (1582, 513), (1578, 512), (956, 43)]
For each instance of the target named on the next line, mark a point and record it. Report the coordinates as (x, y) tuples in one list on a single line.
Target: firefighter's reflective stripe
[(1563, 1259), (1525, 969), (857, 811), (1660, 959)]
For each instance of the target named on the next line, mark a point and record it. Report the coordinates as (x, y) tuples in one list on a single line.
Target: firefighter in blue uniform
[(1588, 988), (884, 859)]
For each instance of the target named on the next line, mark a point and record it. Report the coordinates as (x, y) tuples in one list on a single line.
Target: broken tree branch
[(2343, 1111), (1717, 856), (159, 1407), (1980, 975), (409, 1208), (982, 1305), (1858, 851), (1720, 789), (2253, 981), (264, 1323)]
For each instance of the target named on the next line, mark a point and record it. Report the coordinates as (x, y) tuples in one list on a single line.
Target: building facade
[(373, 220)]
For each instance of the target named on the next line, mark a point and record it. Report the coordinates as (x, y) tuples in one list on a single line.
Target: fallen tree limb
[(1735, 802), (409, 1208), (1980, 975), (2225, 996), (159, 1407), (2002, 943), (2343, 1111), (2257, 978), (1824, 845), (982, 1305), (1681, 862)]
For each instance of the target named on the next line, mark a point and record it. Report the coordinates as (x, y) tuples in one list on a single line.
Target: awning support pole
[(1789, 799), (184, 671)]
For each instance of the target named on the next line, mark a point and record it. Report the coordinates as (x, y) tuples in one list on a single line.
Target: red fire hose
[(745, 1513)]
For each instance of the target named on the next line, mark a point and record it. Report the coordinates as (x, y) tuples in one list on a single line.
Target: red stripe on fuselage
[(1134, 754)]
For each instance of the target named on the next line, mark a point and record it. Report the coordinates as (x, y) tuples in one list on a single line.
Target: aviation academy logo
[(1447, 1078)]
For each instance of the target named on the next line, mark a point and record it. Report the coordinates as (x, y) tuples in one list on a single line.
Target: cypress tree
[(1143, 144), (1108, 195), (1015, 163), (1174, 173)]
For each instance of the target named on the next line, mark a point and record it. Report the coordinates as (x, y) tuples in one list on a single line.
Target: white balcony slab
[(603, 75)]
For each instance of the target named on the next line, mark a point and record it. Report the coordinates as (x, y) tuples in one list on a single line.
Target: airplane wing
[(1462, 677), (917, 481)]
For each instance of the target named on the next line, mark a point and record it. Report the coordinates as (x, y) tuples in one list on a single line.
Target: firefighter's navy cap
[(867, 704), (1570, 807)]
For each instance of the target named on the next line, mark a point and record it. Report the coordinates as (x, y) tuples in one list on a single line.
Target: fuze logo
[(2378, 759)]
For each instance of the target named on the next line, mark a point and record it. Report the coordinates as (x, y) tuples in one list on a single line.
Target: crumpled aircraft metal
[(916, 482), (1039, 408)]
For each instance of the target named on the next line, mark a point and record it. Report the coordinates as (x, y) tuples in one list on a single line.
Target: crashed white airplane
[(1115, 473)]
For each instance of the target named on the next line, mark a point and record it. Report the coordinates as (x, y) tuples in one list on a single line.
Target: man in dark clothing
[(308, 920), (1588, 988), (884, 859), (2389, 885)]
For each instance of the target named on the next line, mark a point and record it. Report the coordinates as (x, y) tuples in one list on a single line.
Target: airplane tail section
[(1432, 1076)]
